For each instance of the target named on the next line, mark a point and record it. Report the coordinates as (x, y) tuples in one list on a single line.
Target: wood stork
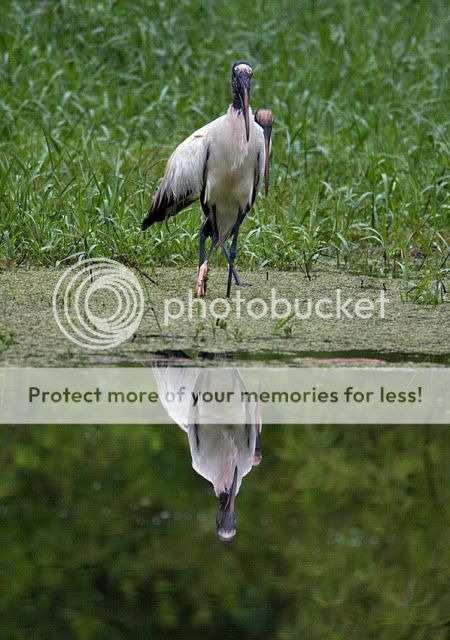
[(223, 164), (224, 452)]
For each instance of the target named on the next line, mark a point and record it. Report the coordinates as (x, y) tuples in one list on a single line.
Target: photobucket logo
[(93, 286), (276, 308)]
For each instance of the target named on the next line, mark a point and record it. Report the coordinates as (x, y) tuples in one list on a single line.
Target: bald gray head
[(241, 75)]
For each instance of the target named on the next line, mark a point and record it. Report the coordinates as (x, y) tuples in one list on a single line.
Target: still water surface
[(108, 532)]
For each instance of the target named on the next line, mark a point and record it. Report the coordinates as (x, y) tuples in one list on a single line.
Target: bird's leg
[(202, 247), (226, 253), (239, 219), (201, 280), (236, 277), (214, 241), (203, 262), (215, 233)]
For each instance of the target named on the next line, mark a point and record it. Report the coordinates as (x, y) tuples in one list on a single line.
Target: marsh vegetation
[(95, 95)]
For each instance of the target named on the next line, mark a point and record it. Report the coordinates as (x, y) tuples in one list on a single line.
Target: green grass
[(95, 95)]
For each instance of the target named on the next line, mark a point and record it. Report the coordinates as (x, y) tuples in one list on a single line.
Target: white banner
[(225, 395)]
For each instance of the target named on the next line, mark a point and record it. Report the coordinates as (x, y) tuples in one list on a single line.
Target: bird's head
[(241, 76), (264, 118), (226, 516)]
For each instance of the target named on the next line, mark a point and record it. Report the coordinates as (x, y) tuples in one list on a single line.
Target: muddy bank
[(329, 327)]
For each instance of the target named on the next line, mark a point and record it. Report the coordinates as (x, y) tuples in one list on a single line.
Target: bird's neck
[(237, 102), (236, 113)]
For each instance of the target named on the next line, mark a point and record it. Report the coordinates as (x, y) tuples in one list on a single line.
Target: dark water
[(289, 358), (107, 532)]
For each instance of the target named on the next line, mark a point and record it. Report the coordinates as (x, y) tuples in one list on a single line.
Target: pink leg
[(201, 277)]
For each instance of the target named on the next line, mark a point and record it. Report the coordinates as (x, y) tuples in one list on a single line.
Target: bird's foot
[(244, 285), (201, 280)]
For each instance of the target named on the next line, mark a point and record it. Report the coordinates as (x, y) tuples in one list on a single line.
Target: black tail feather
[(148, 221), (164, 207)]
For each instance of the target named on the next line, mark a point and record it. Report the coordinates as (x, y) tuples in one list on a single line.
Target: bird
[(223, 164), (224, 437)]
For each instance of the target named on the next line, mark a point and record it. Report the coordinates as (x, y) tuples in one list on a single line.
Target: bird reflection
[(224, 435)]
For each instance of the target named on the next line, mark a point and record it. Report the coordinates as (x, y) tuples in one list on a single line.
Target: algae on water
[(31, 336)]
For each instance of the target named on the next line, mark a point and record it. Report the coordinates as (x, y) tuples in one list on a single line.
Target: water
[(108, 532)]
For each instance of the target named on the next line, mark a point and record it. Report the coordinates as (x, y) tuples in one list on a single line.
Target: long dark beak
[(257, 455), (243, 93), (226, 516), (267, 136), (232, 501)]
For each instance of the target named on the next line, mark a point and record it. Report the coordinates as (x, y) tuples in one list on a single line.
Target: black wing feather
[(164, 206), (165, 203)]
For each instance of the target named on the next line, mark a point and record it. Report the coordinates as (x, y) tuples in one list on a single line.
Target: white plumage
[(223, 436), (218, 160), (222, 164), (217, 449)]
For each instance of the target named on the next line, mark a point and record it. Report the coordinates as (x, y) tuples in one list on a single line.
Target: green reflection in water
[(107, 532)]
